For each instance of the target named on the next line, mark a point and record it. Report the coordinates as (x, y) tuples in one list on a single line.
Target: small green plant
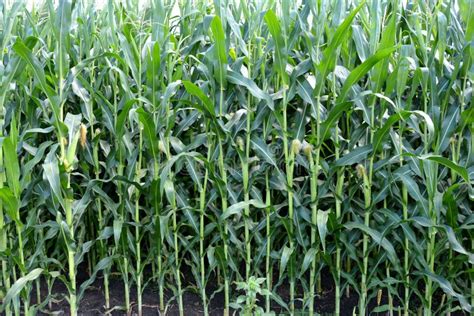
[(247, 303)]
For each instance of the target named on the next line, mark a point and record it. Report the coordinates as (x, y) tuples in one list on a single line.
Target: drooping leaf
[(194, 90), (355, 156), (362, 70), (19, 285), (382, 132), (238, 79)]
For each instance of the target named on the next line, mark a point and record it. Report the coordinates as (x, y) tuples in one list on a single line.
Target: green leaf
[(150, 131), (330, 53), (382, 132), (322, 220), (194, 90), (117, 227), (30, 164), (240, 80), (73, 123), (388, 39), (285, 257), (448, 289), (19, 285), (170, 193), (280, 57), (264, 151), (333, 116), (467, 14), (414, 191), (62, 30), (448, 163), (51, 173), (11, 203), (456, 245), (363, 69), (219, 37), (428, 123), (238, 207), (25, 53), (195, 176), (355, 156), (378, 238), (12, 166), (104, 263), (122, 117), (153, 59), (309, 257), (467, 116), (448, 127)]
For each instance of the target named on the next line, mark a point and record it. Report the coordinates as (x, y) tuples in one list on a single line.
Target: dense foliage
[(255, 144)]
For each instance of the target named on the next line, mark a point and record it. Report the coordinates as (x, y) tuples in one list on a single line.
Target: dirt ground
[(93, 301)]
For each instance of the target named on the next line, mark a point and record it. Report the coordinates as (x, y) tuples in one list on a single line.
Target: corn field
[(261, 156)]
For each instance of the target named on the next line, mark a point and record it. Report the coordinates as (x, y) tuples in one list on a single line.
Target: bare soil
[(93, 301)]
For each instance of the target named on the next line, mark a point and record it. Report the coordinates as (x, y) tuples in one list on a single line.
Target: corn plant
[(256, 146)]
